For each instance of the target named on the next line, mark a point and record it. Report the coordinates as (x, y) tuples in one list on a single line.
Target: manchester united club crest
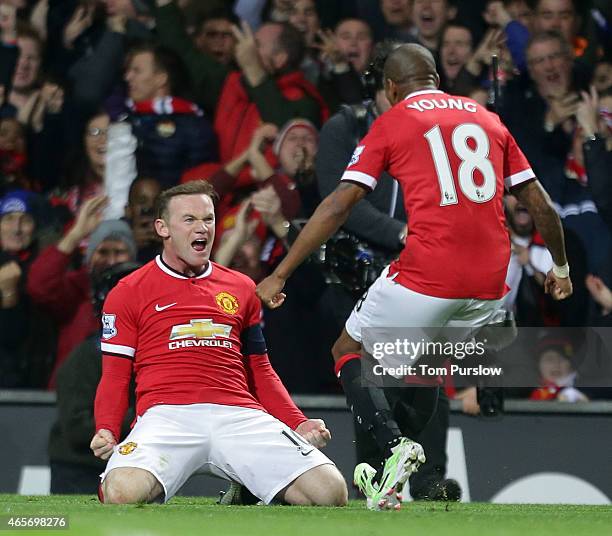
[(227, 303), (127, 448)]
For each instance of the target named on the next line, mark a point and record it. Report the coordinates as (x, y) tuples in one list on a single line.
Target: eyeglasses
[(94, 132)]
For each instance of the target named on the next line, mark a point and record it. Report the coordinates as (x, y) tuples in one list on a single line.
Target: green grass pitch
[(197, 515)]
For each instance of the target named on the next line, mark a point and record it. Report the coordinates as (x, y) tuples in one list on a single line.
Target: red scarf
[(164, 106)]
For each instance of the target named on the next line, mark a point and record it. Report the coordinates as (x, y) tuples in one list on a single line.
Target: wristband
[(561, 271)]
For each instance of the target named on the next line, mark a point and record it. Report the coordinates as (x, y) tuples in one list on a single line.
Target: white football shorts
[(388, 304), (245, 445)]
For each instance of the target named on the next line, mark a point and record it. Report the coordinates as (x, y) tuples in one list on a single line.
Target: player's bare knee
[(335, 492), (129, 486), (330, 489)]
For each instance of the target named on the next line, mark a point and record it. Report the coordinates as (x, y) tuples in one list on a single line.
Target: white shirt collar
[(170, 271), (422, 92)]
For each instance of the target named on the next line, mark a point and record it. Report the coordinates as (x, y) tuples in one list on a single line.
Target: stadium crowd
[(104, 103)]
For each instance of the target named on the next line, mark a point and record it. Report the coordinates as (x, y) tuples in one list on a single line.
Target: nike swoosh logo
[(306, 453), (159, 308)]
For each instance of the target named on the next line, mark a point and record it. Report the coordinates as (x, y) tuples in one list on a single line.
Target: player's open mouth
[(199, 245)]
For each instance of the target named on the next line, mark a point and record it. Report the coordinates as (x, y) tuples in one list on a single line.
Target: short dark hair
[(218, 13), (533, 4), (136, 182), (356, 19), (167, 61), (197, 187), (291, 41), (551, 35)]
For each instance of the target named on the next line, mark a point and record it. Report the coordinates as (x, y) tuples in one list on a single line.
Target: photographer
[(380, 221), (73, 468)]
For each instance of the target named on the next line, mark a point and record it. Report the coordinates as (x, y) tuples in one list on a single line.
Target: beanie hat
[(293, 123), (16, 201), (111, 230)]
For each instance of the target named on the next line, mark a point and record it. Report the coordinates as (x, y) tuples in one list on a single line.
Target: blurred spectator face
[(396, 12), (549, 67), (141, 211), (558, 15), (354, 39), (602, 77), (119, 7), (517, 216), (455, 50), (272, 58), (430, 16), (554, 366), (16, 231), (28, 64), (11, 136), (143, 79), (304, 17), (95, 140), (519, 10), (142, 198), (216, 38), (107, 254), (300, 144)]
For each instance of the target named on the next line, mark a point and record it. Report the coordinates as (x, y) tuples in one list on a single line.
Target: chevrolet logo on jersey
[(204, 330)]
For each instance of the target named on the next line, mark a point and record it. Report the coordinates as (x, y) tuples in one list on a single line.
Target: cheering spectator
[(557, 372), (345, 53), (429, 18), (171, 132), (303, 15), (602, 75), (513, 18), (354, 41), (66, 293), (84, 178), (19, 211), (215, 36), (529, 263), (140, 214), (26, 78), (269, 86), (456, 49), (12, 154), (559, 16)]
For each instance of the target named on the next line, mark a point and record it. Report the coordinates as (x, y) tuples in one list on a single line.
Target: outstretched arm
[(329, 216), (547, 222)]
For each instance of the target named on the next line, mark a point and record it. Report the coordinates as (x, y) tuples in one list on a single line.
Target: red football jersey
[(452, 159), (188, 337)]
